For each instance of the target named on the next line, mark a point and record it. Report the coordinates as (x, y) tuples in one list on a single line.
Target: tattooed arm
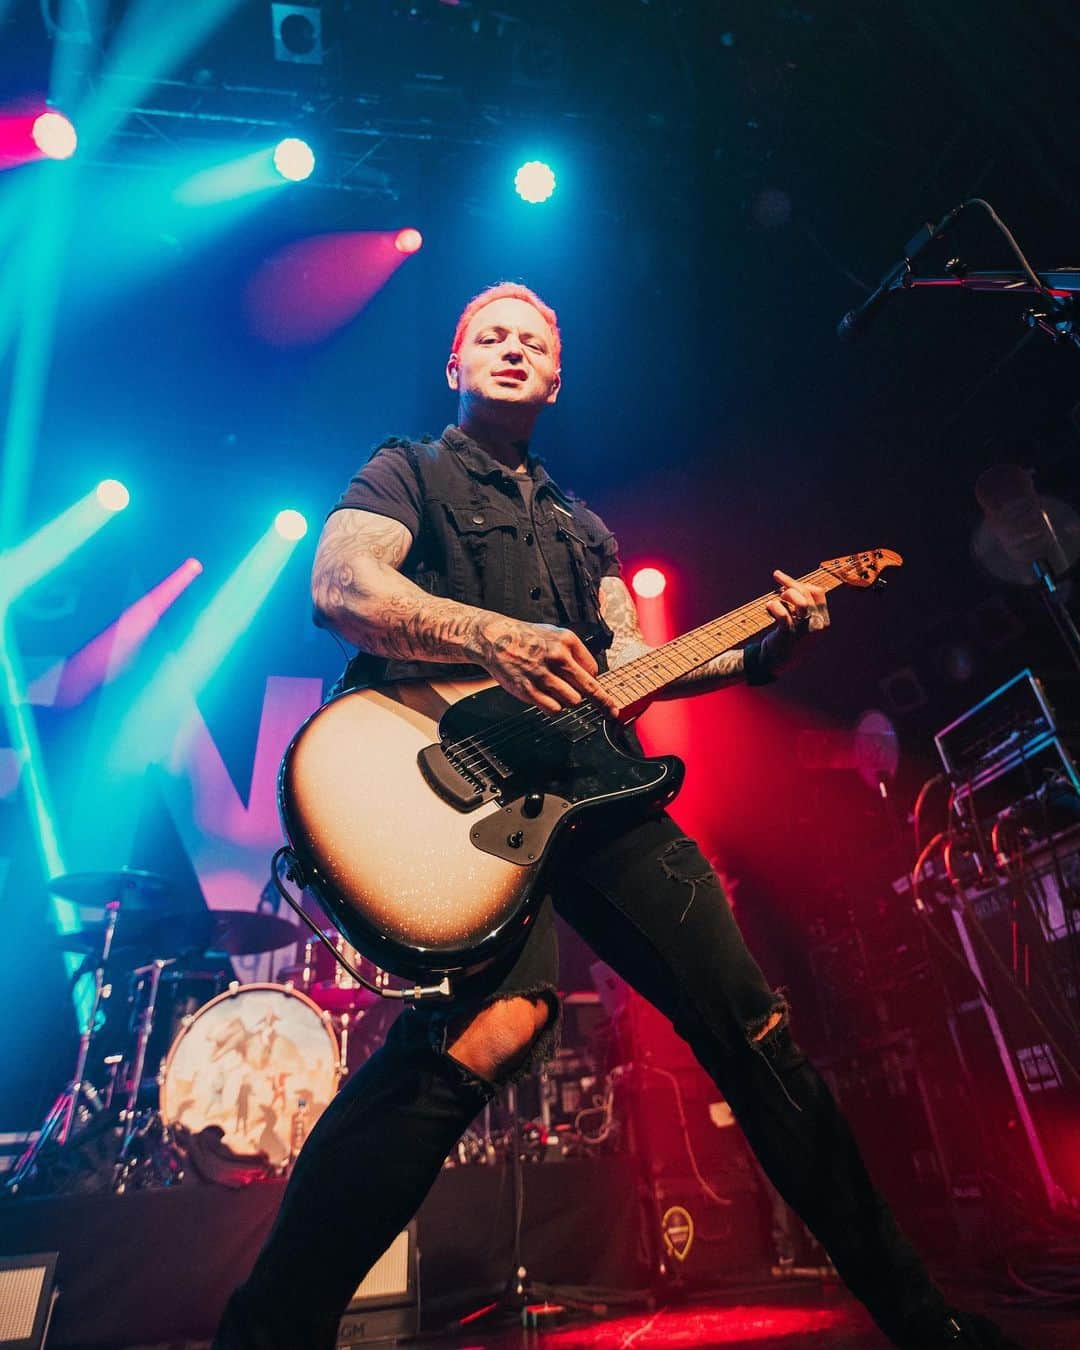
[(797, 612), (620, 613), (358, 591)]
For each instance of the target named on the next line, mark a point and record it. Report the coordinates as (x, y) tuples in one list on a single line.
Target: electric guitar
[(420, 813)]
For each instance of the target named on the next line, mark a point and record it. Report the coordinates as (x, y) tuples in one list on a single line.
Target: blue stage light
[(112, 494), (294, 159), (534, 181), (290, 524)]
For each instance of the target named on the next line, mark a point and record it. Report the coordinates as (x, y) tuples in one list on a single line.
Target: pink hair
[(507, 290)]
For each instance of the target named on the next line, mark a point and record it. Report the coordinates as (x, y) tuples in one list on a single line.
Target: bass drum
[(260, 1062)]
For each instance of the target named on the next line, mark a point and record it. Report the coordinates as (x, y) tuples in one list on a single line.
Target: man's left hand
[(800, 612)]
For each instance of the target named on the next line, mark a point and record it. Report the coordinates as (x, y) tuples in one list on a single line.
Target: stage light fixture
[(290, 524), (297, 34), (54, 135), (112, 494), (535, 181), (294, 159), (408, 241), (43, 551), (649, 582)]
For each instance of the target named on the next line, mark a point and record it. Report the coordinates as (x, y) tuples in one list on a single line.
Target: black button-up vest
[(481, 544)]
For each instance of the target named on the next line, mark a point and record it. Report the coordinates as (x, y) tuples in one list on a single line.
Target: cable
[(1029, 271), (691, 1155), (920, 802), (411, 992)]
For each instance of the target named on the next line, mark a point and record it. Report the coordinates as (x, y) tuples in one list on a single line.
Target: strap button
[(535, 593)]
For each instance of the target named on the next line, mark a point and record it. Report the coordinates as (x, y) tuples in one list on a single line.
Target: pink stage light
[(311, 288), (409, 241), (54, 135), (112, 651), (33, 131), (648, 582)]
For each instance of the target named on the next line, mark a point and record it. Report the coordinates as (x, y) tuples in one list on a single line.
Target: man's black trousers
[(648, 902)]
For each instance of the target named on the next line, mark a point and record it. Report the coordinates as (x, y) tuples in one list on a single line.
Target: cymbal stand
[(130, 1114), (61, 1117)]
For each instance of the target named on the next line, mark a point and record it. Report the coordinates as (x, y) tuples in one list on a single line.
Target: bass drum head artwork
[(255, 1061)]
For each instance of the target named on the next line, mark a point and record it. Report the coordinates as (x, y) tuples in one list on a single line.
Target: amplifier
[(1039, 784), (386, 1305), (27, 1298), (1003, 724), (1017, 1022)]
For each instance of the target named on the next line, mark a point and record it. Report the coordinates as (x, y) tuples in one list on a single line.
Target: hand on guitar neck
[(800, 611)]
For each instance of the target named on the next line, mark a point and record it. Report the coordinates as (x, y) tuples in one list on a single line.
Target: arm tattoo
[(358, 591), (620, 613)]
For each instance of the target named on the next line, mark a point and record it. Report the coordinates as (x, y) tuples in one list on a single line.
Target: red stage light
[(648, 582), (409, 241)]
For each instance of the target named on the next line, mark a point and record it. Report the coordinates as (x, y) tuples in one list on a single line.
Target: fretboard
[(641, 678)]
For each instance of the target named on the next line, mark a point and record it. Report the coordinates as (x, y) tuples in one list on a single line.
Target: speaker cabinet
[(386, 1305)]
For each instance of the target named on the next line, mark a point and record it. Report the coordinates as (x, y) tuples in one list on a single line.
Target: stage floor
[(802, 1317), (799, 1317)]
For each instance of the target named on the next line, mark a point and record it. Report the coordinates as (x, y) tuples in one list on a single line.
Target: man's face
[(506, 357)]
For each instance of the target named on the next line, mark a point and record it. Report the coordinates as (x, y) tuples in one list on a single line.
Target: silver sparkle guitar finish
[(421, 884), (421, 814)]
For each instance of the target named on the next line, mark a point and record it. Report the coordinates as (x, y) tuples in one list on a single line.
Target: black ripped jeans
[(648, 902)]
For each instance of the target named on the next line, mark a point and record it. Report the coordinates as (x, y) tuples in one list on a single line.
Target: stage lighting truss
[(360, 138)]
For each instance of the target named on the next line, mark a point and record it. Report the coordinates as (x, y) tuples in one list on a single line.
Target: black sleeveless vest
[(480, 543)]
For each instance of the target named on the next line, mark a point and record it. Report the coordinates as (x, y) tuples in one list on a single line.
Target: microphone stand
[(1057, 610), (532, 1305)]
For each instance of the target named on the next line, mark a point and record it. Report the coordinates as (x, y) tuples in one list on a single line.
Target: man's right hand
[(540, 664)]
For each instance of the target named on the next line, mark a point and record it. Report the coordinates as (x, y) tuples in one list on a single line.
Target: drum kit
[(186, 1049)]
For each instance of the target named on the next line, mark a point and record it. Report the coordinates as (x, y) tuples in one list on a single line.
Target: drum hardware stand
[(130, 1113), (61, 1117), (343, 1042), (412, 993)]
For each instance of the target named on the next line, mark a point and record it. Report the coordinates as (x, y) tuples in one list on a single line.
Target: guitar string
[(589, 712), (549, 721)]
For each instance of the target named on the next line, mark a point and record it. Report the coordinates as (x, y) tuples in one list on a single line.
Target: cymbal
[(239, 932), (134, 888), (146, 937)]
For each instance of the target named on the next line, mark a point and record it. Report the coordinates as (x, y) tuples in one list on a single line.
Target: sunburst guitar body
[(421, 814), (426, 858)]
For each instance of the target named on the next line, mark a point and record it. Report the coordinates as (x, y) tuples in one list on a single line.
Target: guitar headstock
[(862, 569)]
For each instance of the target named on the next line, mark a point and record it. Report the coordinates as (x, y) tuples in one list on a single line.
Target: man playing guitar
[(461, 557)]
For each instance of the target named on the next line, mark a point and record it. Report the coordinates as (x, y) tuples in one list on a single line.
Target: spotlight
[(54, 135), (649, 582), (409, 241), (534, 181), (294, 159), (112, 494), (290, 524)]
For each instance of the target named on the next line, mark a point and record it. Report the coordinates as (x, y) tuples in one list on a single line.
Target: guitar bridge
[(461, 786)]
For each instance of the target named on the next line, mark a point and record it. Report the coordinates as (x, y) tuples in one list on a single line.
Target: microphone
[(895, 278)]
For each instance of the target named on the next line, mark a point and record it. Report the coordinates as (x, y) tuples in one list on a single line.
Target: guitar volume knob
[(532, 805)]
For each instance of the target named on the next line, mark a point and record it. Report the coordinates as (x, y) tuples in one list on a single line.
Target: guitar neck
[(641, 678)]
